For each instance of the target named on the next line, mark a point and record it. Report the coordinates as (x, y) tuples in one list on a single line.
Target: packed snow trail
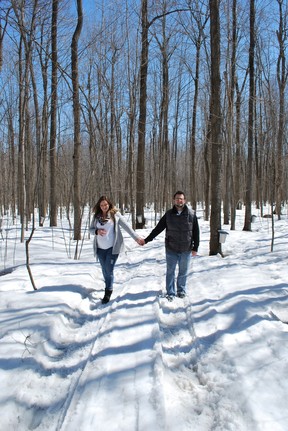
[(147, 355), (116, 360), (213, 361), (119, 359), (139, 356)]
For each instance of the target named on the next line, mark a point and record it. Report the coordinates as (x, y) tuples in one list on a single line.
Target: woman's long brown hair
[(97, 210)]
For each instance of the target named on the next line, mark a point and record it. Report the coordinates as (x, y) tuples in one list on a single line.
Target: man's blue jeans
[(183, 260), (107, 261)]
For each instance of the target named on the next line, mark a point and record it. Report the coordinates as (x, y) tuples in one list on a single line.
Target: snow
[(217, 360)]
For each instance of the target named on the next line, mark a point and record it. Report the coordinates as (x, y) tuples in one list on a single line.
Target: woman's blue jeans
[(183, 260), (107, 261)]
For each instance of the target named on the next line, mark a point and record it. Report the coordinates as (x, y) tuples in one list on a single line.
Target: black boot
[(107, 296)]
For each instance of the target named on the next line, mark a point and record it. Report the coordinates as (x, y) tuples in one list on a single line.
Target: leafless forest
[(139, 98)]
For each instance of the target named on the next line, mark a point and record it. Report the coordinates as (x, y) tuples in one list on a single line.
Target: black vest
[(179, 230)]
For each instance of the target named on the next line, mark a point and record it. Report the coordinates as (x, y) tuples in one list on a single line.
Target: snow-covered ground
[(217, 360)]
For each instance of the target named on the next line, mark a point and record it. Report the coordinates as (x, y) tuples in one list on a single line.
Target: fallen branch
[(27, 259)]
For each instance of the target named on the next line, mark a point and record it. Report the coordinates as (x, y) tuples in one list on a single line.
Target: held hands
[(140, 241)]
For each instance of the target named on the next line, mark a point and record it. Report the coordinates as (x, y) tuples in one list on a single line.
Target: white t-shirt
[(107, 240)]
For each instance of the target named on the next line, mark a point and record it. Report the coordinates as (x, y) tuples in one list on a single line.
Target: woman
[(108, 240)]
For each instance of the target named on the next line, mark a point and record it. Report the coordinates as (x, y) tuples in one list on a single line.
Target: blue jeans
[(107, 261), (172, 259)]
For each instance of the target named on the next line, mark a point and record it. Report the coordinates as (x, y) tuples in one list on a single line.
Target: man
[(181, 242)]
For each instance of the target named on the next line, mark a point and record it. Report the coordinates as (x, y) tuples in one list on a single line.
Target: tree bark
[(76, 116), (249, 174), (53, 119), (140, 175), (282, 80), (216, 121)]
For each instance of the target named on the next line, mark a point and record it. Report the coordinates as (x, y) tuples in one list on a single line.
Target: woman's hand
[(101, 232)]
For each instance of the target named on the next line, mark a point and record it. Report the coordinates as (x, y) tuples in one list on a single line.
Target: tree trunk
[(21, 146), (53, 120), (249, 174), (76, 116), (140, 175), (216, 139), (26, 40), (282, 80), (43, 160), (230, 173), (194, 122)]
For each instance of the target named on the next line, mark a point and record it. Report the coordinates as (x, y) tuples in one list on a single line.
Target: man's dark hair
[(179, 193)]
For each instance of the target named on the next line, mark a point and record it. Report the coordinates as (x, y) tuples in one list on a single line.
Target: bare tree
[(76, 115), (27, 32), (230, 78), (53, 118), (249, 170), (133, 88), (198, 23), (282, 73), (216, 123), (140, 178), (164, 150), (182, 141), (41, 121), (12, 164)]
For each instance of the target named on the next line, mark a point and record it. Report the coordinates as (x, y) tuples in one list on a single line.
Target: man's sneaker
[(169, 297), (181, 295)]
